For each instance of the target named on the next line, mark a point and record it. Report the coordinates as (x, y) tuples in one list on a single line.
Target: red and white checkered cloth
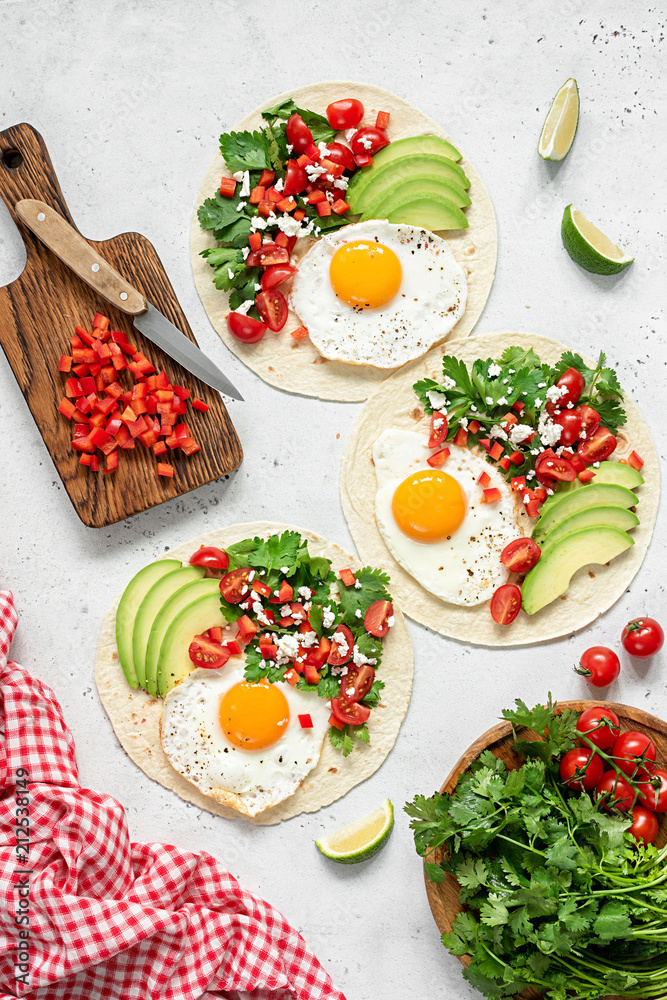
[(87, 915)]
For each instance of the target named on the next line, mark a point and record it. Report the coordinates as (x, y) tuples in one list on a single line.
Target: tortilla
[(297, 366), (135, 715), (593, 589)]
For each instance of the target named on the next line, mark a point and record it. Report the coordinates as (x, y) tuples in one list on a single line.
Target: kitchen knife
[(50, 227)]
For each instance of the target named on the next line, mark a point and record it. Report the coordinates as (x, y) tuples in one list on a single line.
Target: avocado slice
[(361, 191), (612, 517), (174, 662), (607, 473), (404, 149), (149, 607), (416, 186), (128, 606), (550, 577), (163, 619), (604, 495), (428, 212)]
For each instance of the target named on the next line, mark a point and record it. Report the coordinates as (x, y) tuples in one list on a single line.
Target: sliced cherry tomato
[(600, 725), (520, 555), (574, 382), (569, 422), (296, 179), (357, 682), (299, 135), (506, 604), (245, 328), (340, 154), (590, 419), (645, 825), (272, 308), (553, 469), (379, 618), (599, 665), (597, 447), (581, 769), (204, 652), (342, 646), (276, 275), (620, 794), (267, 255), (368, 140), (210, 556), (632, 751), (654, 797), (346, 113), (643, 637), (439, 428), (350, 711), (234, 585)]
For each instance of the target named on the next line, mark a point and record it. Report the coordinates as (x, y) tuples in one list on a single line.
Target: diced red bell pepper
[(159, 448), (323, 209), (255, 241), (261, 588), (189, 446), (485, 443), (267, 177), (382, 119), (65, 363), (94, 463), (348, 577), (234, 647), (586, 476), (215, 633), (363, 160), (496, 450), (461, 437), (273, 196), (504, 463), (473, 426), (299, 215), (300, 333), (181, 392), (286, 622), (315, 197), (83, 444), (518, 406), (112, 463), (248, 629), (164, 469), (492, 495), (67, 408), (340, 206), (313, 152), (227, 187), (336, 723), (635, 461), (269, 651), (517, 458), (305, 721), (312, 674), (199, 404), (257, 195), (292, 678), (518, 483), (484, 479), (265, 208), (100, 321), (84, 458), (438, 458)]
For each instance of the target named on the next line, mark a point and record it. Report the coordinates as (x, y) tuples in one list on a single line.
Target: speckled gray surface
[(130, 98)]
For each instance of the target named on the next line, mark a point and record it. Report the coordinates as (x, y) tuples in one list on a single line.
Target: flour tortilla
[(593, 589), (135, 715), (298, 366)]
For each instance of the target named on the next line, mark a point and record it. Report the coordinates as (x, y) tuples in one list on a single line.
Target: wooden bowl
[(443, 897)]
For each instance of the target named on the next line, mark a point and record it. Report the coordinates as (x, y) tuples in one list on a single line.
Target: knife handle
[(57, 234)]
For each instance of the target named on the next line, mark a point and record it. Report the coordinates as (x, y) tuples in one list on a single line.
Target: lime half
[(560, 127), (588, 247), (361, 840)]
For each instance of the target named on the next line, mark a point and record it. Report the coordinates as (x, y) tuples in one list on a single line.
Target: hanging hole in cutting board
[(12, 158)]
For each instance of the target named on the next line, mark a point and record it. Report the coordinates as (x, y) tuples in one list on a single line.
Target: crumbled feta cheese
[(438, 422), (366, 142), (309, 639), (502, 401), (328, 616), (238, 176), (245, 251), (285, 611), (289, 226), (473, 407), (341, 642), (511, 371), (549, 431), (304, 592), (313, 171), (596, 465), (538, 402), (251, 576), (290, 147), (463, 422), (357, 585), (288, 647), (494, 370), (241, 205), (391, 621), (244, 589), (307, 605), (357, 613), (541, 385), (520, 433), (280, 184), (258, 286), (230, 273), (554, 392), (244, 307), (489, 401), (531, 474), (341, 183), (448, 383), (258, 223), (498, 432), (438, 400), (322, 146), (360, 659), (284, 570)]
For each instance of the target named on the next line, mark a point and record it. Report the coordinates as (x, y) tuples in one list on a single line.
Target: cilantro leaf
[(245, 151), (519, 357), (372, 699), (341, 740), (373, 588), (318, 124), (224, 260), (422, 389)]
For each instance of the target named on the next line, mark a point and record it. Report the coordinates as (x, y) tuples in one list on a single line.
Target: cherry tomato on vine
[(643, 637), (599, 665), (632, 751), (210, 556), (601, 725), (654, 798), (619, 793), (346, 113), (581, 769), (644, 825)]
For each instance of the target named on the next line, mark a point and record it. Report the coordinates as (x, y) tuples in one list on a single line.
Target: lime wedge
[(588, 247), (560, 127), (361, 840)]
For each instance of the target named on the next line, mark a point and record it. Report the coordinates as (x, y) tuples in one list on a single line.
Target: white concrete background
[(130, 98)]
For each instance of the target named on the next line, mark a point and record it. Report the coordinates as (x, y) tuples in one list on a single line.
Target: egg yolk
[(254, 716), (365, 274), (428, 506)]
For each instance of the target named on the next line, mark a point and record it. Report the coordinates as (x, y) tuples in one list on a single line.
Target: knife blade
[(57, 234)]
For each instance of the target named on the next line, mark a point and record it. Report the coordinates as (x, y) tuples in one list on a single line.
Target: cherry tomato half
[(520, 555), (379, 618), (341, 649), (234, 585), (340, 154), (590, 419), (204, 652), (632, 751), (569, 422), (276, 275), (597, 447), (268, 255), (368, 140), (599, 665), (439, 428), (296, 179), (357, 682), (581, 769), (350, 711), (601, 725), (272, 308), (574, 382), (553, 469), (620, 794), (245, 328), (346, 113), (644, 825), (506, 604), (299, 135), (210, 556), (654, 798), (643, 637)]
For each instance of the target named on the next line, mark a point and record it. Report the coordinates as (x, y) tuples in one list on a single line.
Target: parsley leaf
[(245, 151), (226, 259), (373, 588), (341, 740)]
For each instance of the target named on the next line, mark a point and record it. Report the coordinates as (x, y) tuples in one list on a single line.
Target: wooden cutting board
[(38, 313)]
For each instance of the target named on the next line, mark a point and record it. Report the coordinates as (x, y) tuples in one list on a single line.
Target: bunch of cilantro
[(286, 557), (230, 218), (488, 390), (556, 894)]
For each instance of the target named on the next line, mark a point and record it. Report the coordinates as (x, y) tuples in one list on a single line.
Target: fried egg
[(241, 742), (433, 522), (378, 294)]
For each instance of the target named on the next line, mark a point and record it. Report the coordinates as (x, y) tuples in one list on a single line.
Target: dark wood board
[(443, 897), (38, 313)]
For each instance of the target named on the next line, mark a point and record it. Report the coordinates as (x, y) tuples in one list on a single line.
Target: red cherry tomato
[(379, 618), (574, 382), (276, 275), (590, 419), (350, 711), (439, 428), (296, 179), (506, 604), (357, 682), (245, 328), (569, 422), (597, 447), (272, 308), (601, 725), (644, 825), (632, 751), (643, 637), (520, 555), (552, 469), (581, 769), (204, 652), (620, 794), (234, 585), (368, 140), (341, 649), (268, 255), (340, 154), (345, 114), (654, 798), (210, 556), (599, 665), (299, 135)]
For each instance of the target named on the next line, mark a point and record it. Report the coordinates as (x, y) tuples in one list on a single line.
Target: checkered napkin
[(86, 915)]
